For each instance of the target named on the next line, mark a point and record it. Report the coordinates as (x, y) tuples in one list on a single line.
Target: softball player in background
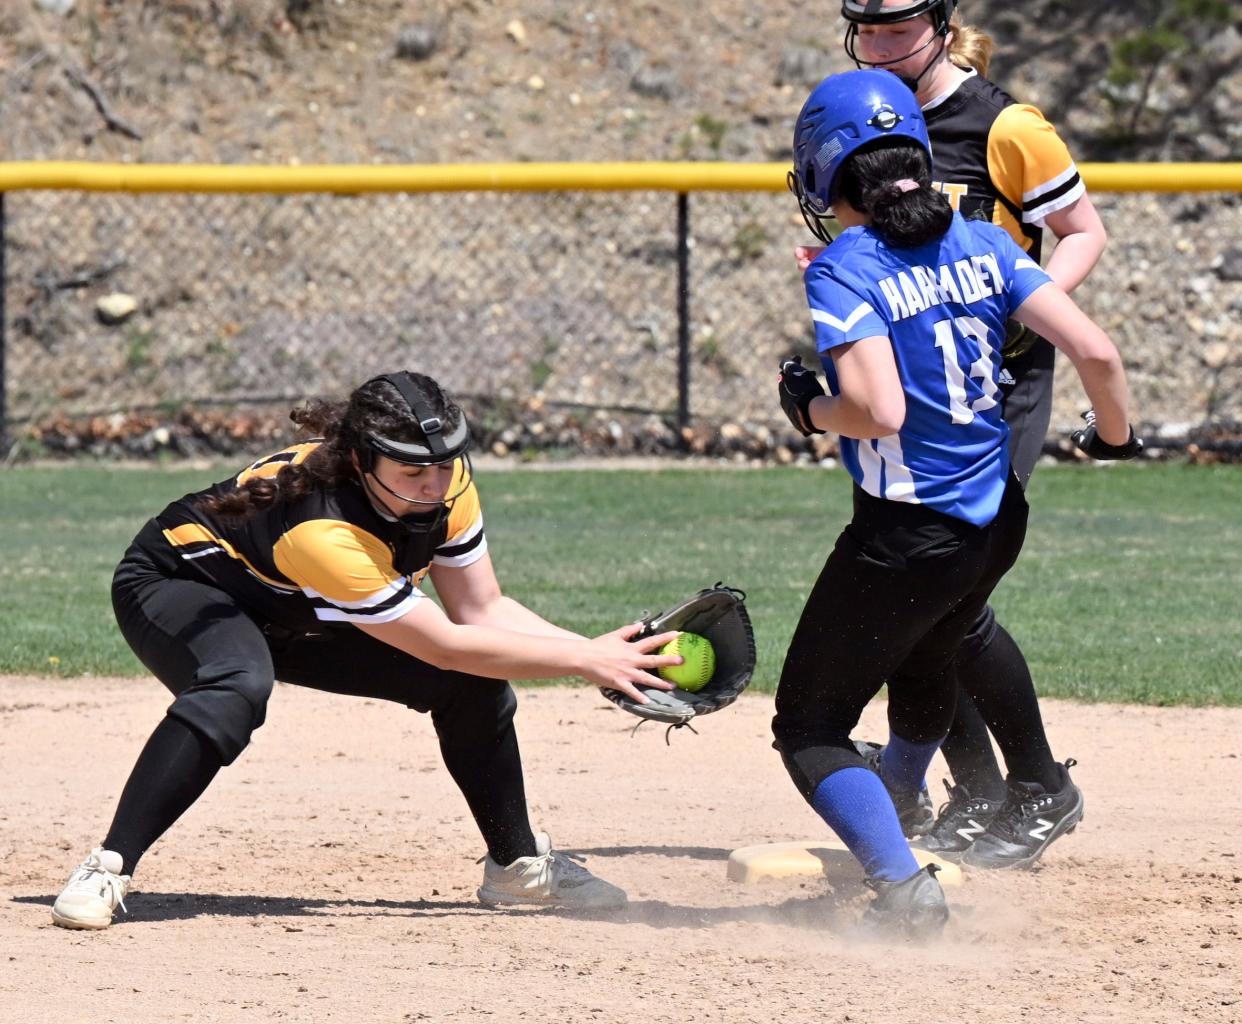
[(306, 568), (910, 305), (999, 161)]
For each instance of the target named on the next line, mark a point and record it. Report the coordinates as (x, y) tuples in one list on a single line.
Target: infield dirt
[(329, 875)]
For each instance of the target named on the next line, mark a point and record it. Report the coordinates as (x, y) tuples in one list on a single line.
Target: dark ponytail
[(904, 219), (376, 407)]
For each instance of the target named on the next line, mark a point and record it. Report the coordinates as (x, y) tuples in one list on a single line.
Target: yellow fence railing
[(525, 177), (261, 339)]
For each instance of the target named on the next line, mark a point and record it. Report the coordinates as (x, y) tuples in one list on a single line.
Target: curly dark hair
[(376, 407), (903, 219)]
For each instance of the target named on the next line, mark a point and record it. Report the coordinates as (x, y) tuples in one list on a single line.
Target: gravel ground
[(329, 875)]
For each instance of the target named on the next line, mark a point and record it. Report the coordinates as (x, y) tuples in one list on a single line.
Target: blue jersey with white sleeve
[(944, 306)]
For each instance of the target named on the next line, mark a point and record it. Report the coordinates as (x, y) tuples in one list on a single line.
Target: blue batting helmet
[(844, 113)]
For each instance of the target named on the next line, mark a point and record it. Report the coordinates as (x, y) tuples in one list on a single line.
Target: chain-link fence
[(570, 298)]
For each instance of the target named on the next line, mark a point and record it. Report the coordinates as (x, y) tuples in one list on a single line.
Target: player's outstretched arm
[(1050, 312), (610, 661), (471, 595)]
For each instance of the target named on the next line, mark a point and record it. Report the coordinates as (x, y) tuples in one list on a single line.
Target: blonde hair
[(971, 46)]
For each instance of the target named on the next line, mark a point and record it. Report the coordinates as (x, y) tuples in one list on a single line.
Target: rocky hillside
[(474, 80), (360, 81)]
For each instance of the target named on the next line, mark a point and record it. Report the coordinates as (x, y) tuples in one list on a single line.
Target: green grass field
[(1128, 590)]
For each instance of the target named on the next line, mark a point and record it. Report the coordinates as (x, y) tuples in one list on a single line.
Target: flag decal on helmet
[(828, 152)]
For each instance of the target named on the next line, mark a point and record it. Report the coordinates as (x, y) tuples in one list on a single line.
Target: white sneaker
[(93, 892), (550, 879)]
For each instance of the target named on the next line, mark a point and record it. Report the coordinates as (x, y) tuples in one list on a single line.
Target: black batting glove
[(798, 387), (1089, 443)]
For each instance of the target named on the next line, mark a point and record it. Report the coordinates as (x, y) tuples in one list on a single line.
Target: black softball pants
[(895, 598), (995, 689), (220, 664)]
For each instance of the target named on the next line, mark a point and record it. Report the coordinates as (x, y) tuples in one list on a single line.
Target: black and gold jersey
[(999, 160), (327, 557)]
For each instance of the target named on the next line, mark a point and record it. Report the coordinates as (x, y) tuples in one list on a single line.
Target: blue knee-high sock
[(857, 807), (903, 764)]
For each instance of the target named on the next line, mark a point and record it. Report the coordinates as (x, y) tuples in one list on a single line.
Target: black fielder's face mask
[(424, 515), (440, 450)]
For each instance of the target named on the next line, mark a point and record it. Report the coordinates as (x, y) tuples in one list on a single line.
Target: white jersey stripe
[(899, 482), (1051, 185), (869, 463), (388, 615), (473, 555), (190, 556), (1038, 214), (820, 316), (387, 593), (466, 535)]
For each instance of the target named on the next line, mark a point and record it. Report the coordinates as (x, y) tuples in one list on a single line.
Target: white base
[(827, 858)]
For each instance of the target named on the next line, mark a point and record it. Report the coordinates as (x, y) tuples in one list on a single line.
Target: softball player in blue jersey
[(910, 305), (998, 160)]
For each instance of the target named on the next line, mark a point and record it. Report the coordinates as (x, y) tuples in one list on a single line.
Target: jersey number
[(982, 369)]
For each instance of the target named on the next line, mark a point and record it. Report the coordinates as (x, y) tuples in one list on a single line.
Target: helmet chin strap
[(419, 521)]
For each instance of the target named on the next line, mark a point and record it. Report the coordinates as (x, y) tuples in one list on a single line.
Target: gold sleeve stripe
[(1026, 156), (192, 534), (194, 541), (466, 513), (270, 465), (338, 561)]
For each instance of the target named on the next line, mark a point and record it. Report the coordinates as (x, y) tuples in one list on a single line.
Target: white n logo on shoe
[(1041, 830), (971, 830)]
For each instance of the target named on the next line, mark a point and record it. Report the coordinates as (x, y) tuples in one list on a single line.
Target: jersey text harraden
[(962, 281)]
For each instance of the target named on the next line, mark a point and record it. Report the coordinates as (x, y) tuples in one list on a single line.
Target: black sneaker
[(914, 908), (914, 810), (961, 820), (1030, 820)]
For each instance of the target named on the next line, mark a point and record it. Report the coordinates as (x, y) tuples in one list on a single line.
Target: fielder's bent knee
[(225, 704)]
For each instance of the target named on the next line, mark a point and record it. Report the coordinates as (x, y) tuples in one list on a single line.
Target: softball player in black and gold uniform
[(306, 567), (1000, 161), (988, 148)]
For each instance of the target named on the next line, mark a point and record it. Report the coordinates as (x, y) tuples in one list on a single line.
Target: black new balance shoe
[(1030, 820), (914, 810), (962, 820), (914, 908)]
